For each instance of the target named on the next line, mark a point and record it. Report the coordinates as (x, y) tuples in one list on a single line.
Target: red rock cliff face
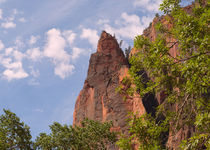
[(98, 100)]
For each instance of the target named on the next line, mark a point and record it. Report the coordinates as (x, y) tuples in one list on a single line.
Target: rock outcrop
[(98, 100)]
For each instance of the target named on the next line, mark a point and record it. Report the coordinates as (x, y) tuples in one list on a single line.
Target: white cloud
[(14, 74), (8, 25), (18, 55), (22, 20), (146, 20), (13, 70), (11, 52), (55, 49), (70, 36), (8, 51), (55, 46), (9, 22), (91, 36), (34, 54), (128, 26), (19, 43), (34, 73), (10, 19), (76, 52), (15, 12), (132, 19), (1, 14), (11, 60), (63, 70), (102, 21), (148, 5), (33, 40), (7, 63), (1, 45)]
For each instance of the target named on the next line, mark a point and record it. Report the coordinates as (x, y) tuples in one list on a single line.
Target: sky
[(45, 46)]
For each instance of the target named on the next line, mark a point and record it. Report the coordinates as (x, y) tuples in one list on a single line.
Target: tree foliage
[(145, 132), (183, 79), (14, 134), (127, 52), (91, 135)]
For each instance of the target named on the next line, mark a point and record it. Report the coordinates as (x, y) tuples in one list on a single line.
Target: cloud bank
[(128, 25), (91, 35), (148, 5), (55, 49)]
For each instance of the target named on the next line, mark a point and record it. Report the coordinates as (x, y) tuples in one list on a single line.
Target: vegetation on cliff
[(182, 79)]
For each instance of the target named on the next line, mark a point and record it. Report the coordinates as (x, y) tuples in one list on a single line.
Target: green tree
[(145, 132), (91, 135), (183, 79), (127, 52), (13, 133)]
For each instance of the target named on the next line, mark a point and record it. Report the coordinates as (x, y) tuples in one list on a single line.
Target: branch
[(193, 56), (172, 56), (174, 43), (185, 59), (180, 112)]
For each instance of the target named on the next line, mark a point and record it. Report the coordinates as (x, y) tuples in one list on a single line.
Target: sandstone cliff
[(98, 100)]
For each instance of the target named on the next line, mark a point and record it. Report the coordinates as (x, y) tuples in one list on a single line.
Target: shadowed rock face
[(98, 100)]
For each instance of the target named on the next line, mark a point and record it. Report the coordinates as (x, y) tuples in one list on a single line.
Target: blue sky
[(45, 46)]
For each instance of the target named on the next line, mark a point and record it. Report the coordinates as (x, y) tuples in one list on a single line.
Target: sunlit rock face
[(98, 100)]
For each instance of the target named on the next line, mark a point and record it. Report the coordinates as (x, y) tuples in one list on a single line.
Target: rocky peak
[(107, 44), (109, 56), (98, 100)]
